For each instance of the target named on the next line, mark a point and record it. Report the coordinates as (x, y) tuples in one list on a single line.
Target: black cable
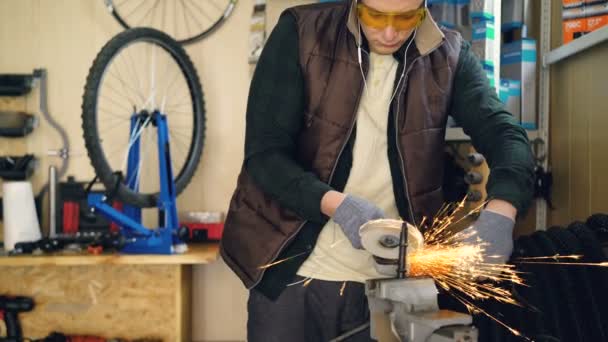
[(592, 253), (529, 316), (546, 338), (483, 324), (87, 190), (567, 244), (550, 299), (114, 191), (530, 297), (599, 224), (520, 317), (496, 330), (351, 333), (561, 280)]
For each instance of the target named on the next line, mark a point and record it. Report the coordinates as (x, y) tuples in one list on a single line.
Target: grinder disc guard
[(381, 238)]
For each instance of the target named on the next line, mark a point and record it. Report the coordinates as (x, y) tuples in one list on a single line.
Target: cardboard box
[(595, 10), (578, 21), (573, 13), (484, 41), (489, 69), (482, 10), (573, 29), (461, 10), (591, 2), (594, 23), (453, 14), (512, 14), (518, 62), (572, 3), (510, 94)]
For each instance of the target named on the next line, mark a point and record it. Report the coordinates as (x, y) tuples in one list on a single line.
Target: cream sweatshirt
[(333, 257)]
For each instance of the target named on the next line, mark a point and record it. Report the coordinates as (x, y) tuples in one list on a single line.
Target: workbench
[(110, 295)]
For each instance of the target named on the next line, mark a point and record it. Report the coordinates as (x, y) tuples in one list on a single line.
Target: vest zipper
[(331, 176), (401, 159)]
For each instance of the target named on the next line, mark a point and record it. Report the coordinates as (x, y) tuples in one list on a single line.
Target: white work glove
[(352, 213), (496, 231)]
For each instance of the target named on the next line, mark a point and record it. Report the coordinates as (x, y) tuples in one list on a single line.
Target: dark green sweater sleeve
[(274, 118), (494, 133)]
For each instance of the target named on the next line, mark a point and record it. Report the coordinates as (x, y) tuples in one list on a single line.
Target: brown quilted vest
[(257, 228)]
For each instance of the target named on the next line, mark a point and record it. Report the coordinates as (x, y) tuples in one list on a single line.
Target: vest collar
[(428, 37)]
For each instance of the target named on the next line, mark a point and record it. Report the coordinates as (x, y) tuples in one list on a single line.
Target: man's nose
[(389, 33)]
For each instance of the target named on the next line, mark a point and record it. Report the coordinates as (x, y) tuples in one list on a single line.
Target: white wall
[(64, 36)]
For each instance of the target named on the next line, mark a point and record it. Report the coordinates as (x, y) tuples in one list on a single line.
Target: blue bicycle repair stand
[(139, 239)]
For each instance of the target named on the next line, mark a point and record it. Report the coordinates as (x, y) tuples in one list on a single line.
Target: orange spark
[(596, 264), (457, 267), (282, 260), (554, 257)]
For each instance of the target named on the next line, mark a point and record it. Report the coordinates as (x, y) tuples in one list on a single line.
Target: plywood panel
[(579, 110), (196, 254), (183, 302), (578, 136), (128, 301), (12, 146), (598, 132), (560, 146), (64, 36)]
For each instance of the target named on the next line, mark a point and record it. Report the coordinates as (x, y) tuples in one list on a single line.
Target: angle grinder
[(382, 239)]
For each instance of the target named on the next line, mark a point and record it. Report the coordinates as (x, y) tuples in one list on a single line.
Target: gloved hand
[(497, 231), (352, 213)]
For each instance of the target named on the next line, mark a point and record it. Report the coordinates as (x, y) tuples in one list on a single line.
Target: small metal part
[(402, 263), (476, 159), (473, 177), (52, 201), (389, 241), (474, 196), (374, 231)]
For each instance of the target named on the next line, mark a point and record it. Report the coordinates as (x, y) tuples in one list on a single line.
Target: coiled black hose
[(562, 302), (587, 305)]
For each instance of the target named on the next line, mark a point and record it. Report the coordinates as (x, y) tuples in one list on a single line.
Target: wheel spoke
[(148, 13), (125, 95), (191, 15), (120, 4), (202, 11), (221, 10), (186, 22), (135, 9), (125, 86), (195, 21)]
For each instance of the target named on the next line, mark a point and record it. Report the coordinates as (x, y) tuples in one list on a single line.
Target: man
[(345, 123)]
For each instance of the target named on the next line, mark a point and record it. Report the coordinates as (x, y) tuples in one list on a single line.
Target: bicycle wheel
[(136, 73), (187, 21)]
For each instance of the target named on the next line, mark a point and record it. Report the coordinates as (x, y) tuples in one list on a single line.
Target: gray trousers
[(313, 313)]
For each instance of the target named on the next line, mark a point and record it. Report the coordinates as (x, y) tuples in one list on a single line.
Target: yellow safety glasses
[(400, 21)]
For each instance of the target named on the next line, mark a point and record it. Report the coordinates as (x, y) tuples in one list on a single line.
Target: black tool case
[(17, 168), (16, 84), (16, 124)]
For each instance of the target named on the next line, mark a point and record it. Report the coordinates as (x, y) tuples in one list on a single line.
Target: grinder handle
[(13, 329)]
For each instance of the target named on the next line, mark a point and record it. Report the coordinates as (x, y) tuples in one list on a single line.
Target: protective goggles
[(400, 21)]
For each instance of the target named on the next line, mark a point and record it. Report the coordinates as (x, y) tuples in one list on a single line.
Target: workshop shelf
[(196, 254)]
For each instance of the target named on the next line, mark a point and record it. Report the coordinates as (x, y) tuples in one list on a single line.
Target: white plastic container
[(20, 218)]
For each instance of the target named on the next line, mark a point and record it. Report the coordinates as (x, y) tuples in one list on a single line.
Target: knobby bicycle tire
[(189, 40), (89, 113)]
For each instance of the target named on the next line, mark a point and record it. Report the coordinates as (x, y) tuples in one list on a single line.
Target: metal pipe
[(402, 264), (52, 201)]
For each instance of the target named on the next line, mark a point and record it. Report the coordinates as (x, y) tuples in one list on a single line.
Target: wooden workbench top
[(197, 254)]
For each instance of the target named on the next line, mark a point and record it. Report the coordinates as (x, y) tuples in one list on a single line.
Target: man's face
[(388, 40)]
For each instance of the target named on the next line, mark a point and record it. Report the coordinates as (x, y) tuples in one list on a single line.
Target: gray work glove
[(497, 231), (352, 213)]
